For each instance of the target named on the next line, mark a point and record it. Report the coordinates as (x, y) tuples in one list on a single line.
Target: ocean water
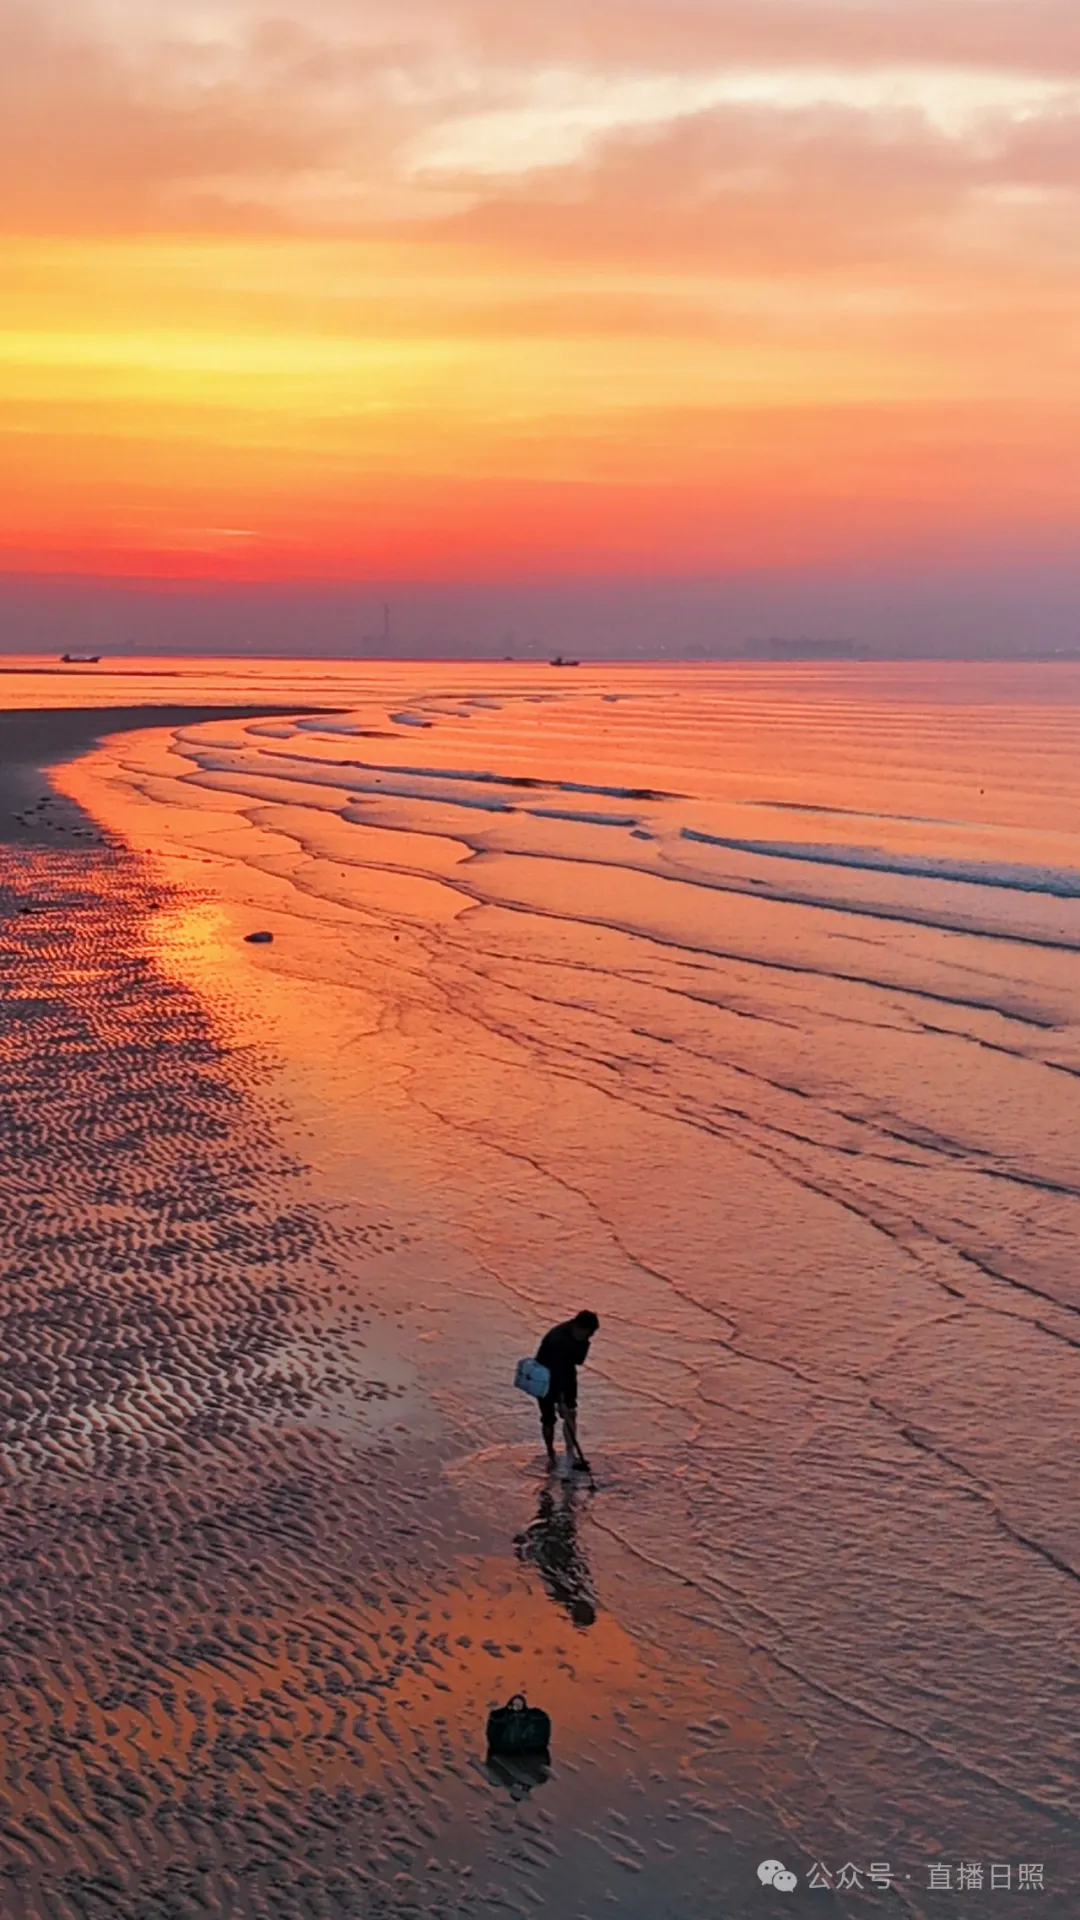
[(743, 1006)]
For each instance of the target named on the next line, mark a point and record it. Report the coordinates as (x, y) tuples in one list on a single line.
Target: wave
[(581, 816), (321, 725), (473, 776), (1063, 883), (477, 776), (853, 813), (367, 789)]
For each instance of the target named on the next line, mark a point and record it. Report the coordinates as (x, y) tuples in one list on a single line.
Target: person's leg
[(547, 1426)]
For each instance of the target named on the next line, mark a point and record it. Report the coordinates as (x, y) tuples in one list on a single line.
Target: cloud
[(99, 134), (770, 191), (745, 188), (360, 116), (681, 36)]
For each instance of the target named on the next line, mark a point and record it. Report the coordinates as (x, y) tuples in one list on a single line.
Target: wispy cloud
[(237, 116)]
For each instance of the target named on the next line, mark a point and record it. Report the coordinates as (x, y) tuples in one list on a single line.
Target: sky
[(570, 317)]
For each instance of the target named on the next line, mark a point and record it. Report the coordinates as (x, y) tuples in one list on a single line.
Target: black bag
[(518, 1728)]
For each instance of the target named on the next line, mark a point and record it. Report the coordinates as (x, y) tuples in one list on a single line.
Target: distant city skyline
[(950, 614)]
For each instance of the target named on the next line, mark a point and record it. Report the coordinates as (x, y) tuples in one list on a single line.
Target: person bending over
[(562, 1352)]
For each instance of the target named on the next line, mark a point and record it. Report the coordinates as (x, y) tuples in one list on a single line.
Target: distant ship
[(558, 661), (80, 659)]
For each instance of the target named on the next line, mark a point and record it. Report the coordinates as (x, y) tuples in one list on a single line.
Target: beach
[(33, 739), (740, 1007)]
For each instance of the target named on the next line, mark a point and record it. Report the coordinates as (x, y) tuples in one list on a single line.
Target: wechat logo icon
[(773, 1873)]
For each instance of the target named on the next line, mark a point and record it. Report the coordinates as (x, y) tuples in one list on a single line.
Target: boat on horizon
[(558, 661), (80, 659)]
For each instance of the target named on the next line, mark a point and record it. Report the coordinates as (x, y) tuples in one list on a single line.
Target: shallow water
[(744, 1007)]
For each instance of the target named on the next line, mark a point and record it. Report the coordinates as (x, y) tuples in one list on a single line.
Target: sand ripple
[(186, 1719), (246, 1648)]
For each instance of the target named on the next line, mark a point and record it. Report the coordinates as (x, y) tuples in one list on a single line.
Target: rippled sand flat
[(743, 1008), (245, 1664)]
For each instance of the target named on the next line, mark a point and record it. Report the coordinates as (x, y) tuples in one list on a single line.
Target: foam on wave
[(1061, 882)]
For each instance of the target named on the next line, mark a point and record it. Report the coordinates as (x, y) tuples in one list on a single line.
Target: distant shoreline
[(749, 656)]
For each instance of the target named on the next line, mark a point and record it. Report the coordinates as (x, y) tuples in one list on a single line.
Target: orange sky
[(455, 289)]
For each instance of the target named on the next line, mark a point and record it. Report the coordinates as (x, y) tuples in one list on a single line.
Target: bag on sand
[(518, 1729), (532, 1378)]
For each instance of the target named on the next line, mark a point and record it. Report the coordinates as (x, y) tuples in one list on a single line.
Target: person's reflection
[(551, 1545)]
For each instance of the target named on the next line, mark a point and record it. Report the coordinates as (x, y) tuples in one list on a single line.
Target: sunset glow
[(446, 291)]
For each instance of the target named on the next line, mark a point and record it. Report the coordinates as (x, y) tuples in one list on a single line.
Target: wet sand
[(32, 811), (249, 1633)]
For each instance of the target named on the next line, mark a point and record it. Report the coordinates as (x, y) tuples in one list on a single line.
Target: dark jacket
[(562, 1352)]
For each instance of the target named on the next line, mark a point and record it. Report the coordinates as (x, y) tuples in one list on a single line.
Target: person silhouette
[(562, 1351)]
